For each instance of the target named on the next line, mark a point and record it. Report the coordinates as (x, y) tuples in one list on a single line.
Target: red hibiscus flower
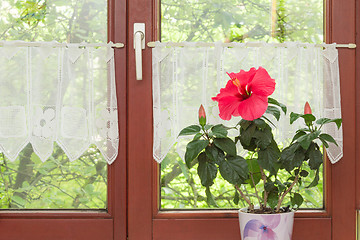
[(246, 94)]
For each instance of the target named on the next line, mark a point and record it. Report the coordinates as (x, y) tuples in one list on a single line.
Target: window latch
[(139, 44)]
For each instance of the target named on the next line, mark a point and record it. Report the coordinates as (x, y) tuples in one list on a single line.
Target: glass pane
[(57, 183), (242, 21), (237, 21), (54, 20)]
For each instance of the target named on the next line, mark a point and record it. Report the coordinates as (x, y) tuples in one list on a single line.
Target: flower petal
[(262, 84), (246, 77), (269, 234), (229, 90), (253, 228), (271, 220), (253, 107), (228, 106), (307, 108), (229, 100)]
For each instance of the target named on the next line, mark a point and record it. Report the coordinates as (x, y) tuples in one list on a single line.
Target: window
[(57, 183), (133, 206), (81, 198), (145, 218), (235, 21)]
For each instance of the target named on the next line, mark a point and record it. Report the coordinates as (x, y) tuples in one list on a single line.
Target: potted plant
[(246, 95)]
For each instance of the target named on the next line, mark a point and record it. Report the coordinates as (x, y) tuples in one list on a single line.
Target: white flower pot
[(266, 226)]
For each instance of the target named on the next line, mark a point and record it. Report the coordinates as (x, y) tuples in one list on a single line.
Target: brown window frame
[(146, 221), (89, 225)]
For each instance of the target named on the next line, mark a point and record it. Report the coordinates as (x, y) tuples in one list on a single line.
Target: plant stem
[(281, 198), (256, 192), (251, 206), (263, 177)]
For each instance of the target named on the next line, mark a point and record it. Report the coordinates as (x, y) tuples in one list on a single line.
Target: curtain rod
[(250, 44), (56, 44)]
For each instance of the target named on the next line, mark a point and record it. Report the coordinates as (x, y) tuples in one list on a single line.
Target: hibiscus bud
[(307, 108), (202, 116)]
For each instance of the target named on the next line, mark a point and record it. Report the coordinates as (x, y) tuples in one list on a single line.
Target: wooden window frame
[(145, 221), (92, 224)]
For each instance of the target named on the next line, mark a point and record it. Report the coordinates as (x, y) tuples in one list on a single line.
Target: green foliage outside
[(241, 20), (227, 21), (57, 183), (48, 20)]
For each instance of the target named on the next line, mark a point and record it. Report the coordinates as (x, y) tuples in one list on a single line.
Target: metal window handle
[(139, 44)]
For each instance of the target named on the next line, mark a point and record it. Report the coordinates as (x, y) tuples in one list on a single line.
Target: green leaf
[(208, 126), (327, 138), (193, 149), (316, 159), (206, 170), (234, 170), (254, 169), (273, 199), (274, 102), (294, 117), (247, 134), (270, 186), (236, 197), (244, 124), (268, 158), (260, 123), (268, 120), (274, 111), (18, 200), (184, 169), (226, 144), (214, 153), (89, 189), (337, 121), (197, 136), (190, 130), (263, 138), (280, 185), (210, 200), (292, 156), (304, 173), (306, 140), (326, 145), (219, 131), (309, 118), (315, 182), (297, 200), (297, 135)]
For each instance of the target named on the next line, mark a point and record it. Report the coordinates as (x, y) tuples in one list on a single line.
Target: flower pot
[(266, 226)]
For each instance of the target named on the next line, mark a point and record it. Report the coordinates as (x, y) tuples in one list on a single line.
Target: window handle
[(139, 44)]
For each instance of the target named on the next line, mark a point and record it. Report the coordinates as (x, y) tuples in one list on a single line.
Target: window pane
[(57, 183), (48, 20), (238, 21), (245, 20)]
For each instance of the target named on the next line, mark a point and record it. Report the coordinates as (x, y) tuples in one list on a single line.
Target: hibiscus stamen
[(236, 82), (248, 92)]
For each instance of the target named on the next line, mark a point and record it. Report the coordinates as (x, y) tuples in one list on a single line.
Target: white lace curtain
[(185, 77), (63, 93)]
